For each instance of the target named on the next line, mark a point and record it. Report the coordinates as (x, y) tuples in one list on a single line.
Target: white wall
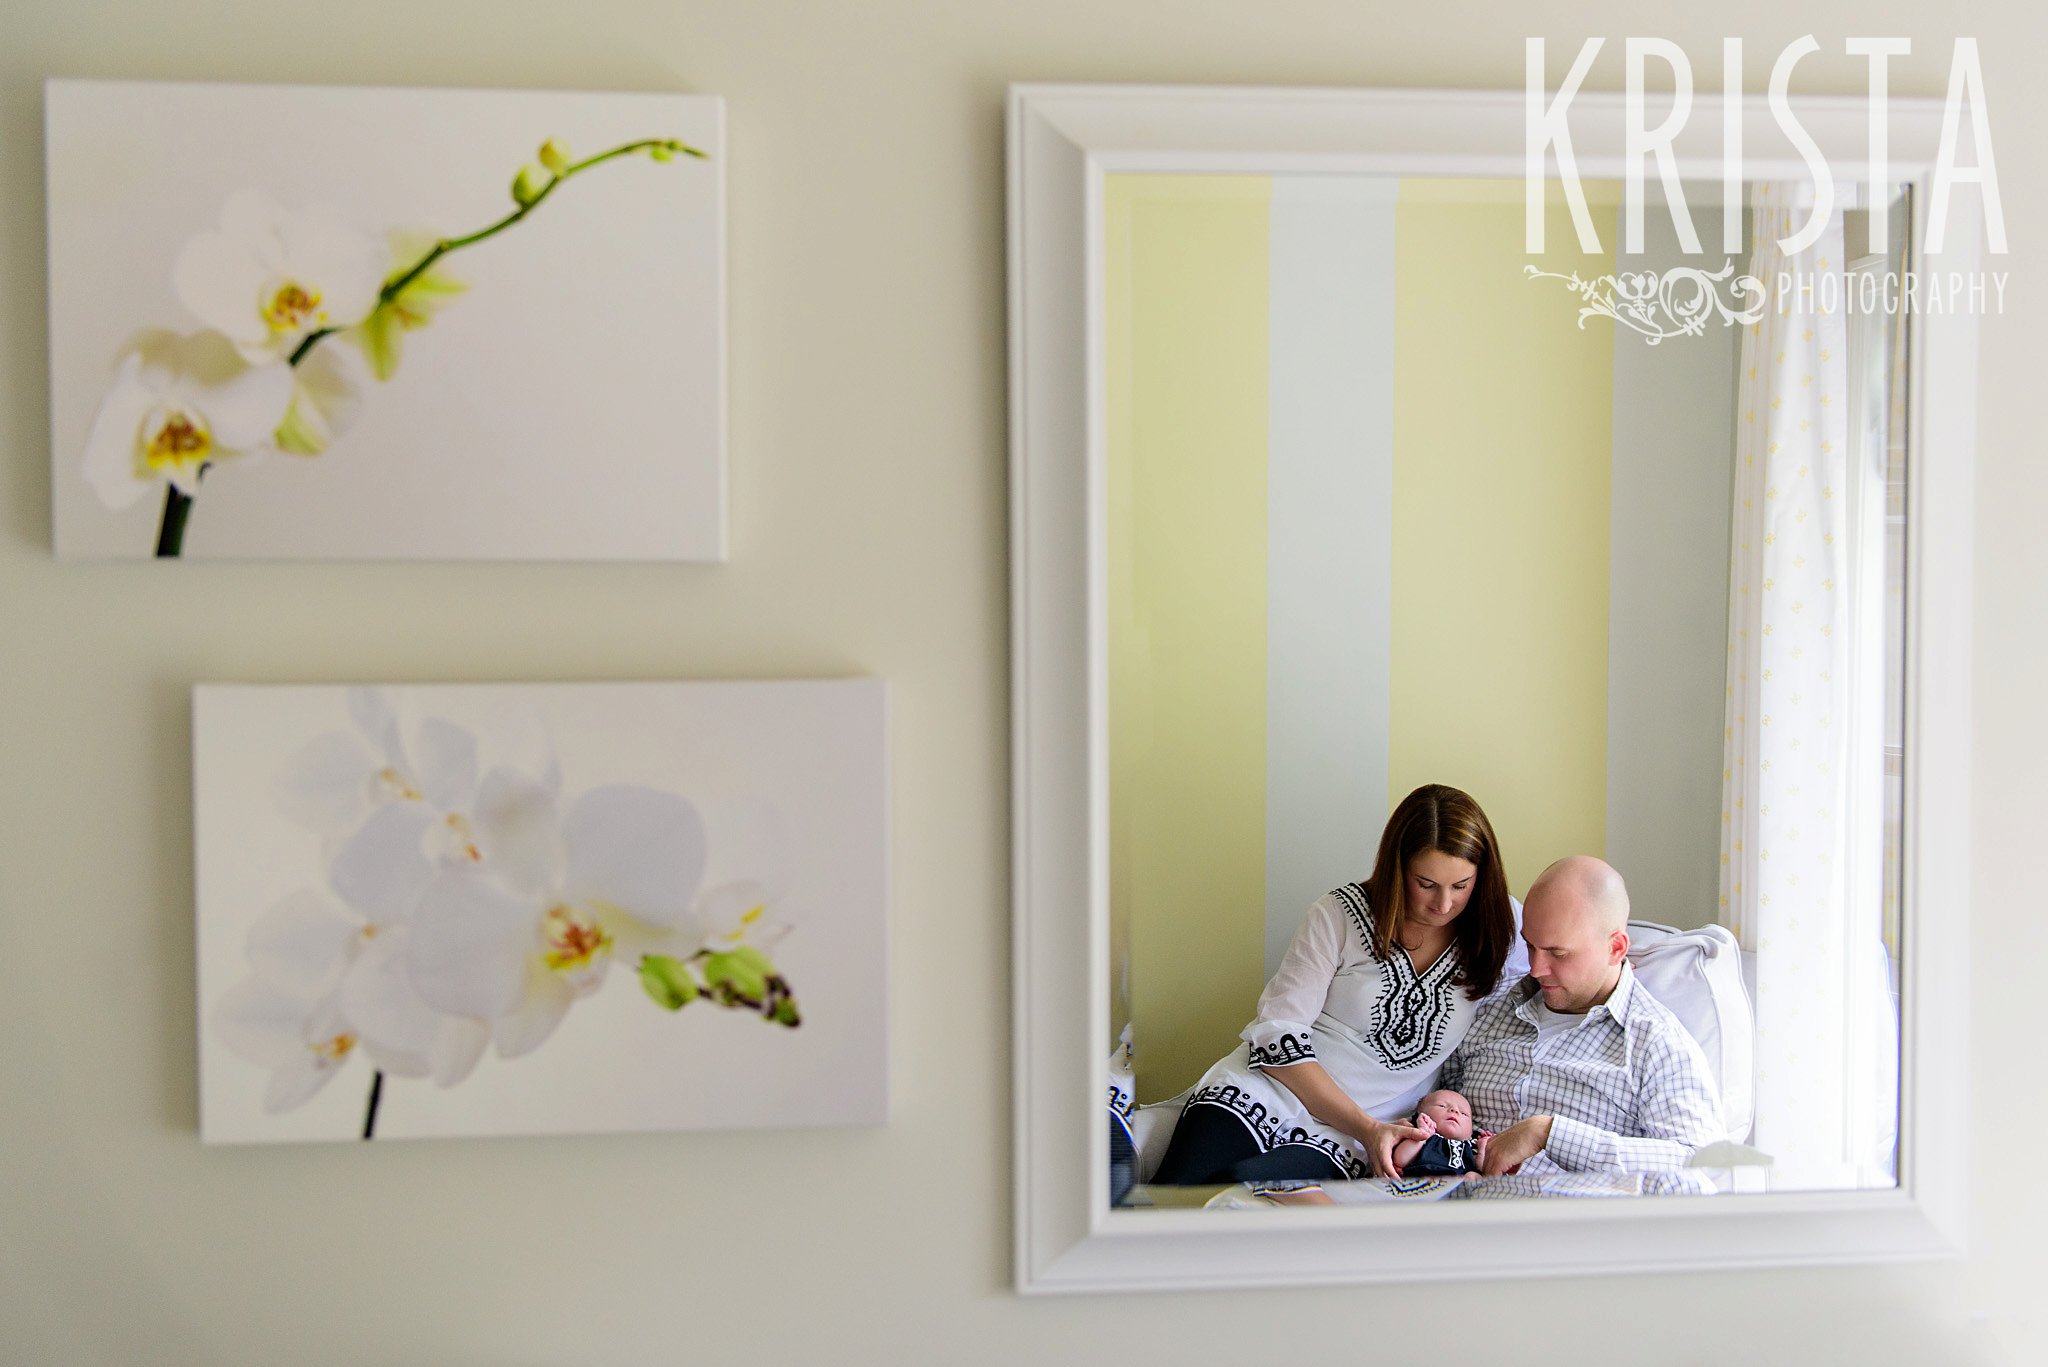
[(1329, 518), (1667, 635), (868, 534)]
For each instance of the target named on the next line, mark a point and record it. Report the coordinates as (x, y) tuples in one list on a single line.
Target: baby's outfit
[(1441, 1156)]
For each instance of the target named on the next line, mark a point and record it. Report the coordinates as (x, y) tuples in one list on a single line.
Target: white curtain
[(1876, 736), (1786, 771)]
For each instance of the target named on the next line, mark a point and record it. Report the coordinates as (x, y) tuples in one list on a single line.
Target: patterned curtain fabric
[(1785, 769)]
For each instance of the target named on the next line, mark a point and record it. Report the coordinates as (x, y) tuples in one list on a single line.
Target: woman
[(1378, 986)]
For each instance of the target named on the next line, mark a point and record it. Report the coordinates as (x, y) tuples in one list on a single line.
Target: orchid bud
[(526, 186), (738, 977), (667, 981), (554, 156)]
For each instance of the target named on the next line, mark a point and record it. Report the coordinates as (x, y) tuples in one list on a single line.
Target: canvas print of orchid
[(295, 322), (533, 909)]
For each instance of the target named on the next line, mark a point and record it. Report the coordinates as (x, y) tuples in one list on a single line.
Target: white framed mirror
[(1624, 734)]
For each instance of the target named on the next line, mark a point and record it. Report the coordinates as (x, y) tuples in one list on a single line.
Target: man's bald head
[(1588, 886), (1575, 920)]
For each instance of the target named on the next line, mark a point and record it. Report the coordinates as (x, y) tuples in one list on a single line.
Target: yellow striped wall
[(1185, 283), (1502, 461)]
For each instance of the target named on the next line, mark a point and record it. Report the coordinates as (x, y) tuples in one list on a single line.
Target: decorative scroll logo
[(1679, 302)]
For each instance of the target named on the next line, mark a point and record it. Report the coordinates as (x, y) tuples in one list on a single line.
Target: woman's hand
[(1379, 1138), (1319, 1093)]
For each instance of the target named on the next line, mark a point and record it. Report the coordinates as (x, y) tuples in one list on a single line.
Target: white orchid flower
[(328, 976), (326, 983), (614, 879), (380, 874), (303, 1041), (734, 914), (339, 778), (284, 1016), (327, 397), (347, 777), (268, 278), (179, 404)]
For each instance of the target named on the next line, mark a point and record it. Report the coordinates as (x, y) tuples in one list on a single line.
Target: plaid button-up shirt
[(1628, 1089)]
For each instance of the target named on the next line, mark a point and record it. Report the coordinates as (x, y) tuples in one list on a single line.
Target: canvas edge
[(62, 90), (871, 1111)]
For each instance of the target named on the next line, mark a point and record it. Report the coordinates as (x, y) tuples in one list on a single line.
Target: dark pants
[(1211, 1146)]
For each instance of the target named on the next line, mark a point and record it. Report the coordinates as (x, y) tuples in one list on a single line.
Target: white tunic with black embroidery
[(1379, 1027)]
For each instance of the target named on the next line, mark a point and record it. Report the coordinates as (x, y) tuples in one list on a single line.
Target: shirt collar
[(1617, 1001), (1616, 1004)]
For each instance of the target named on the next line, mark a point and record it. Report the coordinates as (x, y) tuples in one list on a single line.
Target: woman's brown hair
[(1436, 817)]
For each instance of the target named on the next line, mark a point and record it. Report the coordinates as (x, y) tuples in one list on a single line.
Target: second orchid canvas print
[(294, 322), (531, 909)]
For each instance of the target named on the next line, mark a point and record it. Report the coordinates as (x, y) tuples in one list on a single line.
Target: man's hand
[(1516, 1145)]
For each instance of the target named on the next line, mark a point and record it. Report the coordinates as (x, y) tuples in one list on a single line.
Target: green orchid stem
[(170, 532), (170, 529), (455, 244), (306, 345), (397, 283), (177, 507), (376, 1095)]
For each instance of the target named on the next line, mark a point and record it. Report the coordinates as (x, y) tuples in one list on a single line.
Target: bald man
[(1576, 1067)]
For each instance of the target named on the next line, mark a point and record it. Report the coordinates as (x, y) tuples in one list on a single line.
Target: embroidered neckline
[(1351, 896), (1445, 958), (1414, 1010)]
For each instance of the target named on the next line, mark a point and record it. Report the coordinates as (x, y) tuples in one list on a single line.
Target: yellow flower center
[(458, 840), (747, 919), (335, 1048), (292, 306), (575, 941), (173, 439), (393, 786)]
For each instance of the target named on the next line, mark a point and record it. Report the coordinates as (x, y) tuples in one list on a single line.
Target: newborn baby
[(1450, 1149)]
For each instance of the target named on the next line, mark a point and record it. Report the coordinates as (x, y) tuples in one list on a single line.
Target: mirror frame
[(1062, 140)]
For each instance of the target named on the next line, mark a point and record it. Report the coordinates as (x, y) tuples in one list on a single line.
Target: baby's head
[(1453, 1116)]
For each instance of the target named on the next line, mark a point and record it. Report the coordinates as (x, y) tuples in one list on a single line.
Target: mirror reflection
[(1504, 683)]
